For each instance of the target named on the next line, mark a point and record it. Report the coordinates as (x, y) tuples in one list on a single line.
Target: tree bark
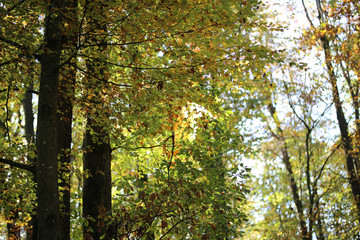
[(65, 114), (64, 146), (97, 182), (97, 151), (48, 209)]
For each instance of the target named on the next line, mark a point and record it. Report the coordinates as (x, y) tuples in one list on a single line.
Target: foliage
[(168, 101), (304, 127)]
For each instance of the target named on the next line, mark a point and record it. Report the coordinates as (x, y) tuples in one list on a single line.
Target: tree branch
[(307, 14), (30, 168), (15, 5)]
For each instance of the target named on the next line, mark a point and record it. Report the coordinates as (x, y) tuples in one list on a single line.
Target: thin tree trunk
[(352, 163), (31, 230), (12, 227), (29, 116), (48, 210), (320, 231), (352, 158), (294, 188)]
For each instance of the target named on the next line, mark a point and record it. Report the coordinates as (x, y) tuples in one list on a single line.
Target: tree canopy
[(137, 120)]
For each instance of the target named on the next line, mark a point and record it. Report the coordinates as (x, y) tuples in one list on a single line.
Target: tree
[(302, 155), (334, 32), (97, 150), (65, 103), (48, 208), (143, 111), (302, 172)]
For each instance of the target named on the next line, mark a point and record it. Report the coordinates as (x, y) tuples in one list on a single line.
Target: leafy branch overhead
[(133, 106)]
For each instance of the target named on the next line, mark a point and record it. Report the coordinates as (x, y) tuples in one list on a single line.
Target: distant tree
[(334, 29)]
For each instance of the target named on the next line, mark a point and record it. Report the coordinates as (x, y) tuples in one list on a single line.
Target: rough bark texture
[(47, 165)]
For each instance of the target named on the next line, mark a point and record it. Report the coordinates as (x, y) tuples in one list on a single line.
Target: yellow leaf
[(196, 50)]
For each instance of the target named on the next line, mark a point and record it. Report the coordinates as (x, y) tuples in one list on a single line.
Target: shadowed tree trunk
[(97, 151), (48, 209), (31, 231), (13, 229), (65, 109), (97, 183)]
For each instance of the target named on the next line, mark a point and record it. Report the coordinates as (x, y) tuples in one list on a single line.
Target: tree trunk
[(64, 145), (97, 182), (352, 162), (97, 151), (29, 116), (31, 230), (48, 209), (294, 188), (65, 109), (12, 227)]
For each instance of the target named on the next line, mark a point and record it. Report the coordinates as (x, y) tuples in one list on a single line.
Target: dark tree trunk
[(352, 161), (31, 231), (13, 228), (66, 91), (97, 182), (29, 116), (48, 210), (352, 156), (65, 109), (97, 151)]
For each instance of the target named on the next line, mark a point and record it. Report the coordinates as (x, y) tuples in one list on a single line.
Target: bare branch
[(14, 44), (307, 14), (325, 162), (15, 6), (30, 168)]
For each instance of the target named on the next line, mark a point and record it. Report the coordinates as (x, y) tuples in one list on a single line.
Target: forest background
[(136, 119)]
